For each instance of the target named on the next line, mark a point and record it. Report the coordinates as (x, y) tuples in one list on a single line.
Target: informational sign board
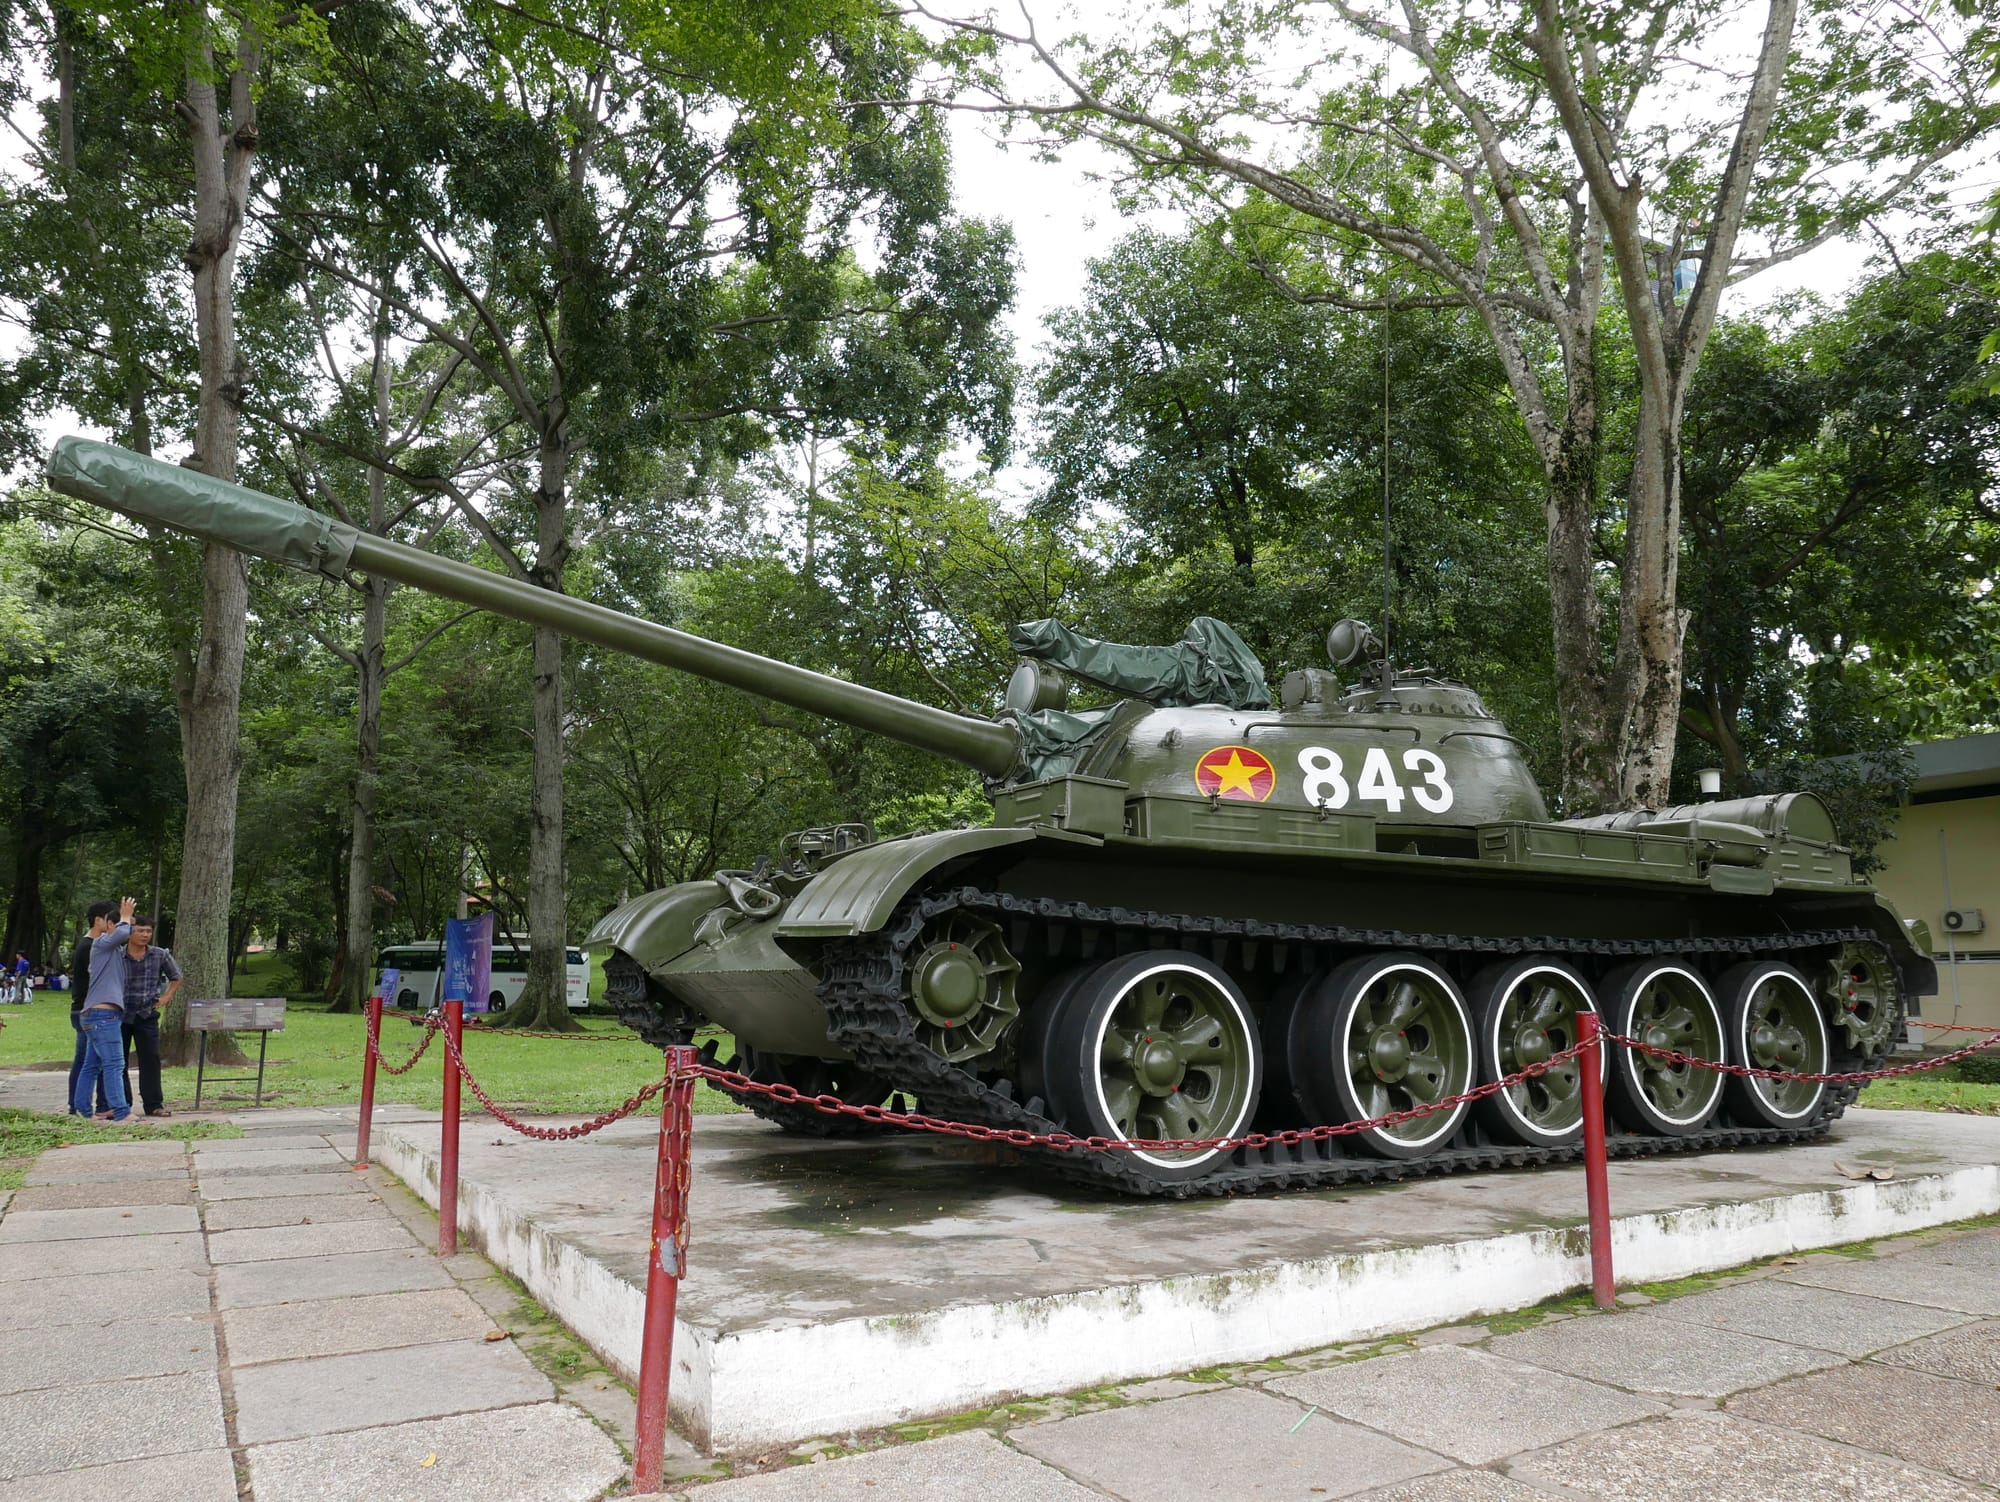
[(468, 961), (241, 1014), (391, 978)]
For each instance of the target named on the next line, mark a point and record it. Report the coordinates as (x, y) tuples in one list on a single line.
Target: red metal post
[(454, 1031), (368, 1081), (1596, 1180), (664, 1267)]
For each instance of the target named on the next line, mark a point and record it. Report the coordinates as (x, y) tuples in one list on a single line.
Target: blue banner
[(468, 961), (391, 978)]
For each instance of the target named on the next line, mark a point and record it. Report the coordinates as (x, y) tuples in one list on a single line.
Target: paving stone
[(1850, 1323), (1470, 1405), (1252, 1445), (48, 1302), (293, 1278), (292, 1210), (170, 1189), (279, 1185), (290, 1160), (42, 1174), (1940, 1285), (115, 1254), (1978, 1249), (1645, 1353), (156, 1416), (74, 1355), (95, 1157), (958, 1468), (327, 1394), (269, 1243), (1971, 1352), (198, 1476), (1164, 1387), (1458, 1486), (331, 1327), (78, 1225), (1933, 1421), (541, 1453), (1715, 1457), (1453, 1335), (289, 1138)]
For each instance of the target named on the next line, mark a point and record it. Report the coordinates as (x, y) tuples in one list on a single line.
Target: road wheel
[(1665, 1004), (1384, 1033), (1156, 1045), (1774, 1023), (1527, 1010)]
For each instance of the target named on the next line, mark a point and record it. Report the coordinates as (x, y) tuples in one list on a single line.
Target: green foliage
[(1980, 1069), (1841, 541), (1233, 440)]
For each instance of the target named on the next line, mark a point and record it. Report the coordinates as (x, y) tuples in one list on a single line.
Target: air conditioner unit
[(1964, 920)]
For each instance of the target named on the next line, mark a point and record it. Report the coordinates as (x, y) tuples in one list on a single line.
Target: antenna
[(1388, 570)]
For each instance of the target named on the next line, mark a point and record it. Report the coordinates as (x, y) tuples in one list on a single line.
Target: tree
[(204, 67), (1536, 167), (562, 199), (1234, 445), (1843, 532)]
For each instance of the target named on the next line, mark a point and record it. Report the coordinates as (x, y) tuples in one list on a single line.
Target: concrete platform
[(835, 1287)]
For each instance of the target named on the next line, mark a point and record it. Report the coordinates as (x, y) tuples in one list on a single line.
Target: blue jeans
[(76, 1067), (103, 1062)]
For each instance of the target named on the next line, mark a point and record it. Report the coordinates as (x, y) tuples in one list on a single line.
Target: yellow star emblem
[(1236, 775)]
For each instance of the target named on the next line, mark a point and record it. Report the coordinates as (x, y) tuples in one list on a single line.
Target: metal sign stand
[(262, 1015)]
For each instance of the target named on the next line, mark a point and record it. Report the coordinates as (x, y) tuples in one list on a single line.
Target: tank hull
[(1059, 904)]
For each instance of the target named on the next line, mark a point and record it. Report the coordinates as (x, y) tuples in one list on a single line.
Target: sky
[(1063, 215)]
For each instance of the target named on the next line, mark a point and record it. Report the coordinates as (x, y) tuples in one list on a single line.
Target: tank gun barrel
[(269, 527)]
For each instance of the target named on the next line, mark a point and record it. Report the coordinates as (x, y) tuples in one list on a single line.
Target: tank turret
[(1202, 907)]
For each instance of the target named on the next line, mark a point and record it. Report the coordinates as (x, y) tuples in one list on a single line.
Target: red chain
[(833, 1105), (431, 1029), (548, 1134), (1021, 1137), (484, 1031), (1852, 1077)]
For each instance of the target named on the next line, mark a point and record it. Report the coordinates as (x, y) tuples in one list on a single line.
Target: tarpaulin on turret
[(1210, 664)]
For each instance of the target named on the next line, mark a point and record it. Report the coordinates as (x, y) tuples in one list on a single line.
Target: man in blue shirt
[(100, 916), (103, 1022), (146, 965)]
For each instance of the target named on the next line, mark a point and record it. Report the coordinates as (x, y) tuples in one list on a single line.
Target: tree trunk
[(210, 744), (357, 963), (27, 921), (543, 1002), (1647, 670)]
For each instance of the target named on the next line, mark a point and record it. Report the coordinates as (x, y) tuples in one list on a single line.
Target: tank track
[(862, 989), (642, 1005)]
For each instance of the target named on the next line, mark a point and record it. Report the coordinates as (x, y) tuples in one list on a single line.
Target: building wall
[(1915, 880)]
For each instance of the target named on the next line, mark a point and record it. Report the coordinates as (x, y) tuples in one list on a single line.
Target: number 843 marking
[(1327, 786)]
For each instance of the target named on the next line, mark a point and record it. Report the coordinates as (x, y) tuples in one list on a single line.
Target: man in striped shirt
[(145, 965)]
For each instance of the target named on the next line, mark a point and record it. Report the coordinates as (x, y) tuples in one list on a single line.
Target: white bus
[(419, 967)]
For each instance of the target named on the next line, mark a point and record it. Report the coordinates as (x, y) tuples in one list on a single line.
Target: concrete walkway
[(254, 1319), (1869, 1374)]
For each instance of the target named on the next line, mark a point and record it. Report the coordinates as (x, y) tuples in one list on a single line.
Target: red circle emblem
[(1235, 772)]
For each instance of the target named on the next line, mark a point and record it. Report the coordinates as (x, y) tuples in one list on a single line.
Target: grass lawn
[(316, 1061), (23, 1134), (1934, 1090)]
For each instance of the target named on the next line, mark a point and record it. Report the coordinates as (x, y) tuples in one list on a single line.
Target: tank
[(1202, 908)]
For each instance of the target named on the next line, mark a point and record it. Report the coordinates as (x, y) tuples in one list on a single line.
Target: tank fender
[(858, 892), (1912, 953), (657, 926)]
